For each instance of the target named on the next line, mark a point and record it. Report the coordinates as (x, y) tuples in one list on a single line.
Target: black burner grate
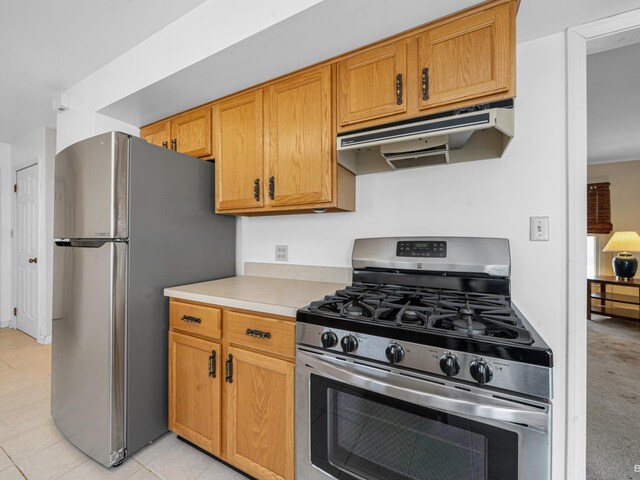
[(462, 314)]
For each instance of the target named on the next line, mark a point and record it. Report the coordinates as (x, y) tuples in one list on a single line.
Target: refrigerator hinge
[(116, 457)]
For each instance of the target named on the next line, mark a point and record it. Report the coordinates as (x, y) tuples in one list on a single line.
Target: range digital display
[(412, 248)]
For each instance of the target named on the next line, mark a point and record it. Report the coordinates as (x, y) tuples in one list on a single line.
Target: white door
[(27, 250)]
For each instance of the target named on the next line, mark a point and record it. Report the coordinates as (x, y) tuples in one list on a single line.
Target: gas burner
[(357, 310), (354, 311), (469, 326)]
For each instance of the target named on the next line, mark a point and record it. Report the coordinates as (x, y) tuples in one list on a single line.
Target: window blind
[(599, 208)]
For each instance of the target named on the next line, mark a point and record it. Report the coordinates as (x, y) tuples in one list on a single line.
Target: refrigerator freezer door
[(91, 188), (87, 383)]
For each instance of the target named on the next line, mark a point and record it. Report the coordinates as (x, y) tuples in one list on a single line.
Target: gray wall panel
[(174, 238)]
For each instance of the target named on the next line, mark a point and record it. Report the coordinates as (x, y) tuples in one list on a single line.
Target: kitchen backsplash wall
[(492, 198)]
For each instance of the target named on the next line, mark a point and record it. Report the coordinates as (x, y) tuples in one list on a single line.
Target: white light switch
[(282, 253), (539, 229)]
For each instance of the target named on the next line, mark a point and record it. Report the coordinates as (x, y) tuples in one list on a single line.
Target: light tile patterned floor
[(31, 446)]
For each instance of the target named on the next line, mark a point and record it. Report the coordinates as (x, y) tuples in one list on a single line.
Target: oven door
[(357, 421)]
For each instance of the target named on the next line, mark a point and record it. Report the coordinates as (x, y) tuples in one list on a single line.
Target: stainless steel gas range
[(422, 369)]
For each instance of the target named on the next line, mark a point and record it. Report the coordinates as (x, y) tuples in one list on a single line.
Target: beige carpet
[(613, 399)]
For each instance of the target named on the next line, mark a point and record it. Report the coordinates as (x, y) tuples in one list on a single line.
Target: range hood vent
[(476, 135)]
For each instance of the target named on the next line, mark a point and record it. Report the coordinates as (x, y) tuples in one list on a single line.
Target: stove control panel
[(416, 248), (455, 365)]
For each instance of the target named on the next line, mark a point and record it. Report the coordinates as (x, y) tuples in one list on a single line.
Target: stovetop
[(477, 323), (482, 316)]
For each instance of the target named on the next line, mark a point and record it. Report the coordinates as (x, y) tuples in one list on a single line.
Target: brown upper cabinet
[(238, 141), (467, 59), (188, 133), (275, 148), (157, 134), (459, 61), (299, 139), (372, 84)]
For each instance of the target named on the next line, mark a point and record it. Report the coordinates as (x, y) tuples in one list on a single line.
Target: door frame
[(44, 323), (577, 50)]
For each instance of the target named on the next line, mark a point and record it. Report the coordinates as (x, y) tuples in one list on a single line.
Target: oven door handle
[(357, 375)]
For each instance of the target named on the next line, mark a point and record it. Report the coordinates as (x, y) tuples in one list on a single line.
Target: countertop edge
[(234, 303)]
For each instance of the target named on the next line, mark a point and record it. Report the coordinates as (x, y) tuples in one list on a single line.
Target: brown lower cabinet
[(231, 389)]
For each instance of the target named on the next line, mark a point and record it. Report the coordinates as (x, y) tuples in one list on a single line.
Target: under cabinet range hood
[(458, 137)]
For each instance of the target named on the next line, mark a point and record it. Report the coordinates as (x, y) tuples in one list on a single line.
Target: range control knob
[(394, 353), (481, 371), (349, 344), (450, 365), (328, 339)]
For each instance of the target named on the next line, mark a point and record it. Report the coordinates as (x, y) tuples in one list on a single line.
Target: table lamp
[(624, 264)]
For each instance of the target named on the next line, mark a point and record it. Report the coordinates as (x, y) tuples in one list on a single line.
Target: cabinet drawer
[(197, 319), (260, 333)]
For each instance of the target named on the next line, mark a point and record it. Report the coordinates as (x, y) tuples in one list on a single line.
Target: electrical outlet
[(282, 253), (539, 229)]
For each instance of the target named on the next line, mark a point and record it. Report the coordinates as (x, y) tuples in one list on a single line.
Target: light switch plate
[(282, 253), (539, 229)]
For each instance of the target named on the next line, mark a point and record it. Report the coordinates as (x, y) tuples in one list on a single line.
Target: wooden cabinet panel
[(260, 415), (468, 58), (261, 333), (238, 140), (194, 390), (195, 319), (369, 85), (191, 132), (157, 134), (299, 139)]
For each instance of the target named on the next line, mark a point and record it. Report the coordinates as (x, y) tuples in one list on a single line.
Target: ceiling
[(613, 109), (55, 44), (328, 28), (48, 46)]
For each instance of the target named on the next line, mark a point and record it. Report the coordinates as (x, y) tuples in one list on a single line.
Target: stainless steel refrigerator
[(130, 219)]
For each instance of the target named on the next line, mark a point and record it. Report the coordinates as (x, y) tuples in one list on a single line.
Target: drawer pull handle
[(257, 333), (212, 364), (190, 319), (228, 369)]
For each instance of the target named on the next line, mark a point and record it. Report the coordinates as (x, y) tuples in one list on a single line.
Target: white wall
[(5, 234), (492, 198), (189, 39), (37, 148)]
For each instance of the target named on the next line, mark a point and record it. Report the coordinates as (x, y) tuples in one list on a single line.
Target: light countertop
[(276, 296)]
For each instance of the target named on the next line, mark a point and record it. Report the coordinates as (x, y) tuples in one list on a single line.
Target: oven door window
[(360, 435)]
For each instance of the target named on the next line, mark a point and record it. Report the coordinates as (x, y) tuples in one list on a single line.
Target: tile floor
[(31, 446)]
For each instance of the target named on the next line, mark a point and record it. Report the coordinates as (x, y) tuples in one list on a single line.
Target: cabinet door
[(157, 134), (468, 58), (238, 141), (260, 415), (299, 139), (371, 84), (191, 132), (194, 390)]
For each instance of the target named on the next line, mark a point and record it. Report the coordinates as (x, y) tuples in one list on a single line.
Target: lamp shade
[(623, 242)]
